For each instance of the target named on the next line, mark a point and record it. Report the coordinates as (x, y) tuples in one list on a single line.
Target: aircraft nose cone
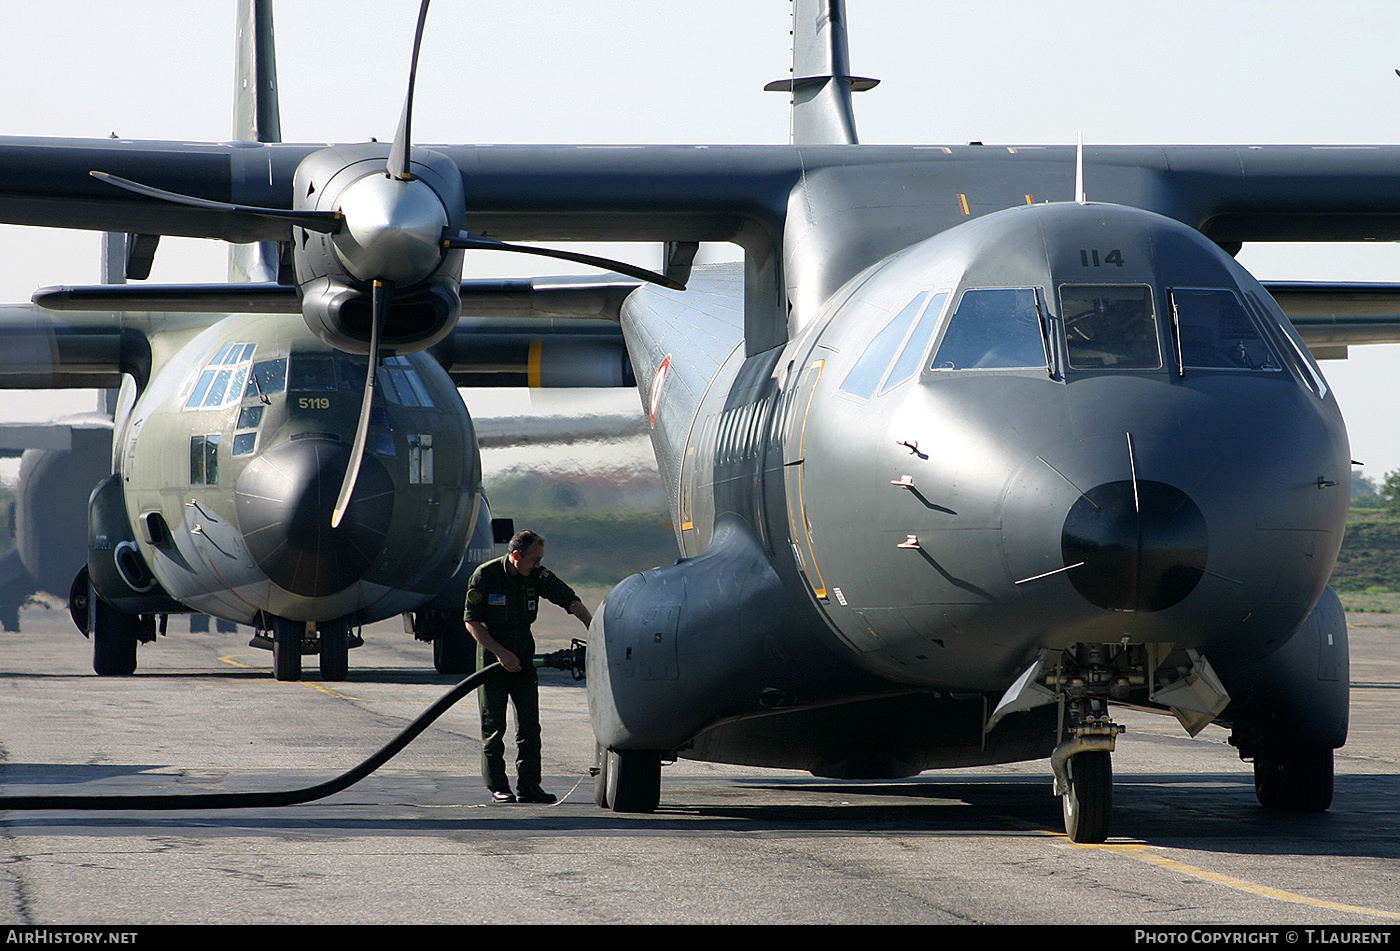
[(285, 497), (1142, 545)]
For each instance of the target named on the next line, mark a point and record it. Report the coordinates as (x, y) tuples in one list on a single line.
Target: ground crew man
[(502, 602)]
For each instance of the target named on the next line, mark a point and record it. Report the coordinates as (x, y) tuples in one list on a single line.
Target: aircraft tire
[(633, 780), (1088, 804), (1298, 780), (600, 779), (286, 648), (335, 649), (454, 650), (114, 639)]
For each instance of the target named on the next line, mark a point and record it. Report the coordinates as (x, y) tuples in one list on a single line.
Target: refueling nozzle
[(570, 658)]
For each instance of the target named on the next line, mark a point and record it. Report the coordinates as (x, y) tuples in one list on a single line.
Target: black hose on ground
[(254, 800)]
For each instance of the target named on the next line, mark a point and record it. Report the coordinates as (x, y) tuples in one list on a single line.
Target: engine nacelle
[(393, 231)]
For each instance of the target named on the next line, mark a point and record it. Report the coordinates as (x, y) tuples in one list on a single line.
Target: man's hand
[(483, 637), (508, 660)]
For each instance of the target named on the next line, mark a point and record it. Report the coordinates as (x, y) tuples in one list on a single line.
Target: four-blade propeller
[(390, 232)]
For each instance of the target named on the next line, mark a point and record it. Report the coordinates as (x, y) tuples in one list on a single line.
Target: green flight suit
[(508, 604)]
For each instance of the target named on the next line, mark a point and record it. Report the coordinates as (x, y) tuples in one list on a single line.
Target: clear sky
[(625, 71)]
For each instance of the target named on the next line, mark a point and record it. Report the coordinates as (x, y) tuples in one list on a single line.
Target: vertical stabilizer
[(821, 83), (256, 118)]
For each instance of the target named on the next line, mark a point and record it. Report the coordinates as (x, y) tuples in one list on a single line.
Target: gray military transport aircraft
[(951, 472)]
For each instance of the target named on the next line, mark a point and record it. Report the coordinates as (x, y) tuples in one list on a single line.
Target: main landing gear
[(627, 780), (454, 650), (1288, 778), (115, 633)]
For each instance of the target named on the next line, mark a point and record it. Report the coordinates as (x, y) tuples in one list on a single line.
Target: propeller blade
[(476, 242), (328, 222), (403, 139), (378, 307)]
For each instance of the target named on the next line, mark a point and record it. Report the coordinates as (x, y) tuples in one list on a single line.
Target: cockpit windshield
[(999, 328), (1215, 332), (1110, 327)]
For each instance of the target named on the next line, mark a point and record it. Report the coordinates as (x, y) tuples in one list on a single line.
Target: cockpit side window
[(1295, 353), (994, 329), (865, 376), (268, 377), (223, 377), (1215, 332), (912, 356), (1110, 327), (401, 383)]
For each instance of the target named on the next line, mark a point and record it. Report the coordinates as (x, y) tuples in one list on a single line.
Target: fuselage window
[(204, 460), (249, 418), (420, 458), (994, 329), (912, 356), (865, 376), (1216, 333), (1110, 327)]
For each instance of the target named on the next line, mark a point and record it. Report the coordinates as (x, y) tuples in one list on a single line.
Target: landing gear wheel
[(1088, 803), (286, 648), (1294, 780), (454, 650), (633, 780), (335, 649), (600, 781), (114, 638)]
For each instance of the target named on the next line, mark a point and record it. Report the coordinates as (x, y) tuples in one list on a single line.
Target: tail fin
[(821, 83), (256, 118)]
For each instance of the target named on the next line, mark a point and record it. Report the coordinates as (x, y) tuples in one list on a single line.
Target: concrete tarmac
[(417, 842)]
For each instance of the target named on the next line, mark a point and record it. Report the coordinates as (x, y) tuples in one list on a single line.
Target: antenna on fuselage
[(1079, 195)]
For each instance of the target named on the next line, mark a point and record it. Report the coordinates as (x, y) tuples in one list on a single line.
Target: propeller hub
[(393, 230)]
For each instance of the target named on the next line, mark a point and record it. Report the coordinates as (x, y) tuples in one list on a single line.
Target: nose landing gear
[(1083, 768)]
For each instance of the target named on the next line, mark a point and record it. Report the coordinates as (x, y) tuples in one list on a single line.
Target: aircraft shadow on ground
[(1167, 810), (366, 675)]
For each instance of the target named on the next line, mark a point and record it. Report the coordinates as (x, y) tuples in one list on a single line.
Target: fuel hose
[(569, 659)]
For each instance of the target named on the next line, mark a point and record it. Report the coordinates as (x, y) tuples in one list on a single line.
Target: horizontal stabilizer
[(15, 438), (168, 298), (821, 82), (562, 297)]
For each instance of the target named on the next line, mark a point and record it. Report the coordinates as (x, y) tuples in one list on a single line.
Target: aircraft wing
[(667, 192), (1333, 316)]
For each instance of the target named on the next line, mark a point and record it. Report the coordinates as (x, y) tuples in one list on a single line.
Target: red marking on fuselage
[(658, 381)]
